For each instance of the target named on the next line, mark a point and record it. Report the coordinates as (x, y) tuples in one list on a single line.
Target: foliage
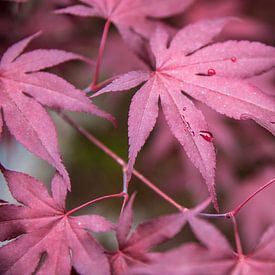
[(181, 69)]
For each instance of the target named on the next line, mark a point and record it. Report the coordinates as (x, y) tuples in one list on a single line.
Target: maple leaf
[(217, 257), (130, 14), (131, 17), (212, 74), (134, 248), (48, 240), (23, 88)]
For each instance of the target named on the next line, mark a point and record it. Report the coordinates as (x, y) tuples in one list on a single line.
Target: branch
[(147, 182), (119, 160)]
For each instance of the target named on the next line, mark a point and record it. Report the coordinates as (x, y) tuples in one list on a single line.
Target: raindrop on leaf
[(206, 135), (211, 72)]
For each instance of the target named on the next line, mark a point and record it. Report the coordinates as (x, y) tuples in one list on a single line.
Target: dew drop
[(233, 59), (184, 109), (206, 135), (192, 133), (211, 72)]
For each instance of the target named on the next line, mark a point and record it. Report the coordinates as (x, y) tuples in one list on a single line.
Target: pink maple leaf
[(131, 17), (24, 88), (216, 257), (134, 248), (129, 14), (43, 230), (212, 74)]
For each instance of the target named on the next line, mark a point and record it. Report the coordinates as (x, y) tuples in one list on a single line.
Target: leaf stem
[(239, 207), (99, 86), (125, 200), (125, 183), (237, 236), (92, 139), (147, 182), (119, 160), (158, 191), (235, 211), (100, 53), (118, 195)]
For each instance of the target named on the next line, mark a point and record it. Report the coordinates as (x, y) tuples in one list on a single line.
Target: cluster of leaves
[(41, 226), (182, 67)]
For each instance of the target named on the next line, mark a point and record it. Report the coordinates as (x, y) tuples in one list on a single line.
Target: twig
[(119, 195), (119, 160), (238, 208), (147, 182), (100, 53)]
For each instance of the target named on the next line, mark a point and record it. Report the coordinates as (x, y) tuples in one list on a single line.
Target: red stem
[(102, 84), (93, 139), (100, 53), (158, 191), (119, 195), (234, 212), (237, 236), (147, 182), (120, 161), (239, 207), (126, 197)]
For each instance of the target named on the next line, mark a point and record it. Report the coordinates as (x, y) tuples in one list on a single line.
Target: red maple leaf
[(48, 240), (133, 18), (217, 257), (129, 14), (213, 74), (134, 248), (24, 88)]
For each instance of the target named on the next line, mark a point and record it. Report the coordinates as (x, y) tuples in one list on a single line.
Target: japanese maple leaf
[(217, 257), (133, 248), (213, 75), (23, 91), (131, 17), (43, 229)]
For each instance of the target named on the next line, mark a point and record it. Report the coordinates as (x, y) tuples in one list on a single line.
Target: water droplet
[(192, 133), (206, 135), (233, 59), (211, 72), (184, 109)]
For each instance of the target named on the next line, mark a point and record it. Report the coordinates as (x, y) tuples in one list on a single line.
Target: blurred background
[(245, 151)]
